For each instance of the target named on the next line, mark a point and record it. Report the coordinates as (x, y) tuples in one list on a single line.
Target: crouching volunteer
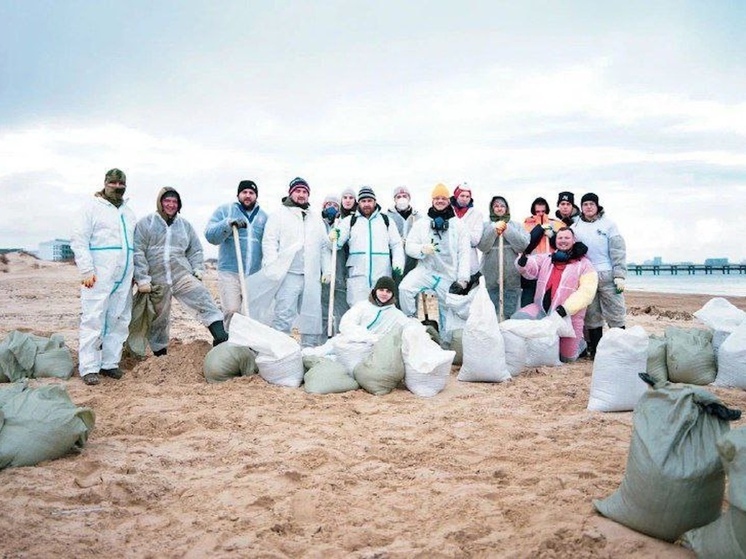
[(168, 253), (566, 284), (102, 244), (441, 246), (379, 313)]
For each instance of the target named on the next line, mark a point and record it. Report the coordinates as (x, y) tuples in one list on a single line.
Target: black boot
[(594, 336), (161, 352), (218, 332)]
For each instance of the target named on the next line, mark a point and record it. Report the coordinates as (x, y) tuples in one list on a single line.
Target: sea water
[(723, 285)]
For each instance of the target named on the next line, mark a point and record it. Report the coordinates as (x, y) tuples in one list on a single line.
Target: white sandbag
[(620, 357), (351, 352), (325, 350), (721, 314), (484, 351), (543, 352), (718, 337), (516, 353), (731, 360), (426, 365), (262, 339), (529, 328), (286, 371), (456, 312)]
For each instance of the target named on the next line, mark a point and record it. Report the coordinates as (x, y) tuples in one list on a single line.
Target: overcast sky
[(643, 103)]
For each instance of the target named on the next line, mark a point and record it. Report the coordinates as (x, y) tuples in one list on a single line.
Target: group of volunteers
[(352, 263)]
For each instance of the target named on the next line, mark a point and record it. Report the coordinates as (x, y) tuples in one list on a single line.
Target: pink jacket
[(577, 286)]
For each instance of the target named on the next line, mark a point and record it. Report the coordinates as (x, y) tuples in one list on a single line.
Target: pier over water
[(691, 269)]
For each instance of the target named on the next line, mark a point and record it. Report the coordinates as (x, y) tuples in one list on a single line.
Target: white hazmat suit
[(102, 241)]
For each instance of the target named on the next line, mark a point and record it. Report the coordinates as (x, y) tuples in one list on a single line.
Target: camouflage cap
[(115, 175)]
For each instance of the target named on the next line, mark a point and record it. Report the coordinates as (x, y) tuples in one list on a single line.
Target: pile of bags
[(674, 480), (24, 355)]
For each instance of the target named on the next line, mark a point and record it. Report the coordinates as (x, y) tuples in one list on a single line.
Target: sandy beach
[(176, 467)]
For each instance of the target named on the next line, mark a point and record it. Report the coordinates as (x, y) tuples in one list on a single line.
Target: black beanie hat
[(592, 197), (539, 202), (251, 185), (384, 282), (566, 197)]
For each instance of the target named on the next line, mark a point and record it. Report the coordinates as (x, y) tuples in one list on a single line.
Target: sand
[(179, 468)]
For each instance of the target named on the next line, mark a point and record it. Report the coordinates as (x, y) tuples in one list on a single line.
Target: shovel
[(427, 322), (241, 278)]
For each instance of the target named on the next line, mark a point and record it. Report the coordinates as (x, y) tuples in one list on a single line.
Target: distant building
[(716, 261), (56, 250)]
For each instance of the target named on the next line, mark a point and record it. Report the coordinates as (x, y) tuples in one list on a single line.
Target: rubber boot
[(161, 352), (218, 332), (594, 336)]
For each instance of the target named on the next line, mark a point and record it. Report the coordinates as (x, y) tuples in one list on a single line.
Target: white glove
[(428, 249), (333, 234), (144, 288), (197, 274), (619, 284), (548, 231)]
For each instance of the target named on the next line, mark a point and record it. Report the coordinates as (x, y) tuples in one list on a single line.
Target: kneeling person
[(566, 284), (168, 253), (379, 313)]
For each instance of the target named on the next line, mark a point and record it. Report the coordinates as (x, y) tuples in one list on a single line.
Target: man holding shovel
[(250, 220)]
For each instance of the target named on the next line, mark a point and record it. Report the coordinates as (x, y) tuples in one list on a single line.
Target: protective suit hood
[(159, 205)]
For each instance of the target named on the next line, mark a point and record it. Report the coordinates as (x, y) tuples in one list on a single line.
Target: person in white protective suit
[(462, 203), (250, 220), (441, 244), (292, 256), (375, 246), (404, 216), (168, 253), (378, 314), (102, 242)]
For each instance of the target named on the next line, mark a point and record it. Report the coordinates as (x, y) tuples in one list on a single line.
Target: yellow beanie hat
[(440, 190)]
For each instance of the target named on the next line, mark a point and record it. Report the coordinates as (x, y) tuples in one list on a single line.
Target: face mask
[(330, 212), (402, 203), (439, 224)]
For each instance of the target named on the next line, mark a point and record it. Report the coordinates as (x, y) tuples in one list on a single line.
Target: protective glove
[(239, 222), (561, 311), (144, 288), (458, 288), (197, 274), (333, 234), (428, 250), (548, 231), (619, 284), (89, 281), (326, 278), (500, 227), (522, 260), (396, 274)]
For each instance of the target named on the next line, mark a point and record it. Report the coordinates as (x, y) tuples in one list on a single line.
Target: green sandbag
[(457, 345), (674, 480), (690, 357), (143, 313), (24, 355), (226, 361), (38, 424), (656, 365), (327, 377), (726, 537), (383, 369)]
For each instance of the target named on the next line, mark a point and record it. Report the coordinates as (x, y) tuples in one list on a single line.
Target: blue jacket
[(218, 232)]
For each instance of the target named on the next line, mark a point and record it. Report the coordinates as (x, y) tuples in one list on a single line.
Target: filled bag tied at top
[(725, 538), (674, 480)]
